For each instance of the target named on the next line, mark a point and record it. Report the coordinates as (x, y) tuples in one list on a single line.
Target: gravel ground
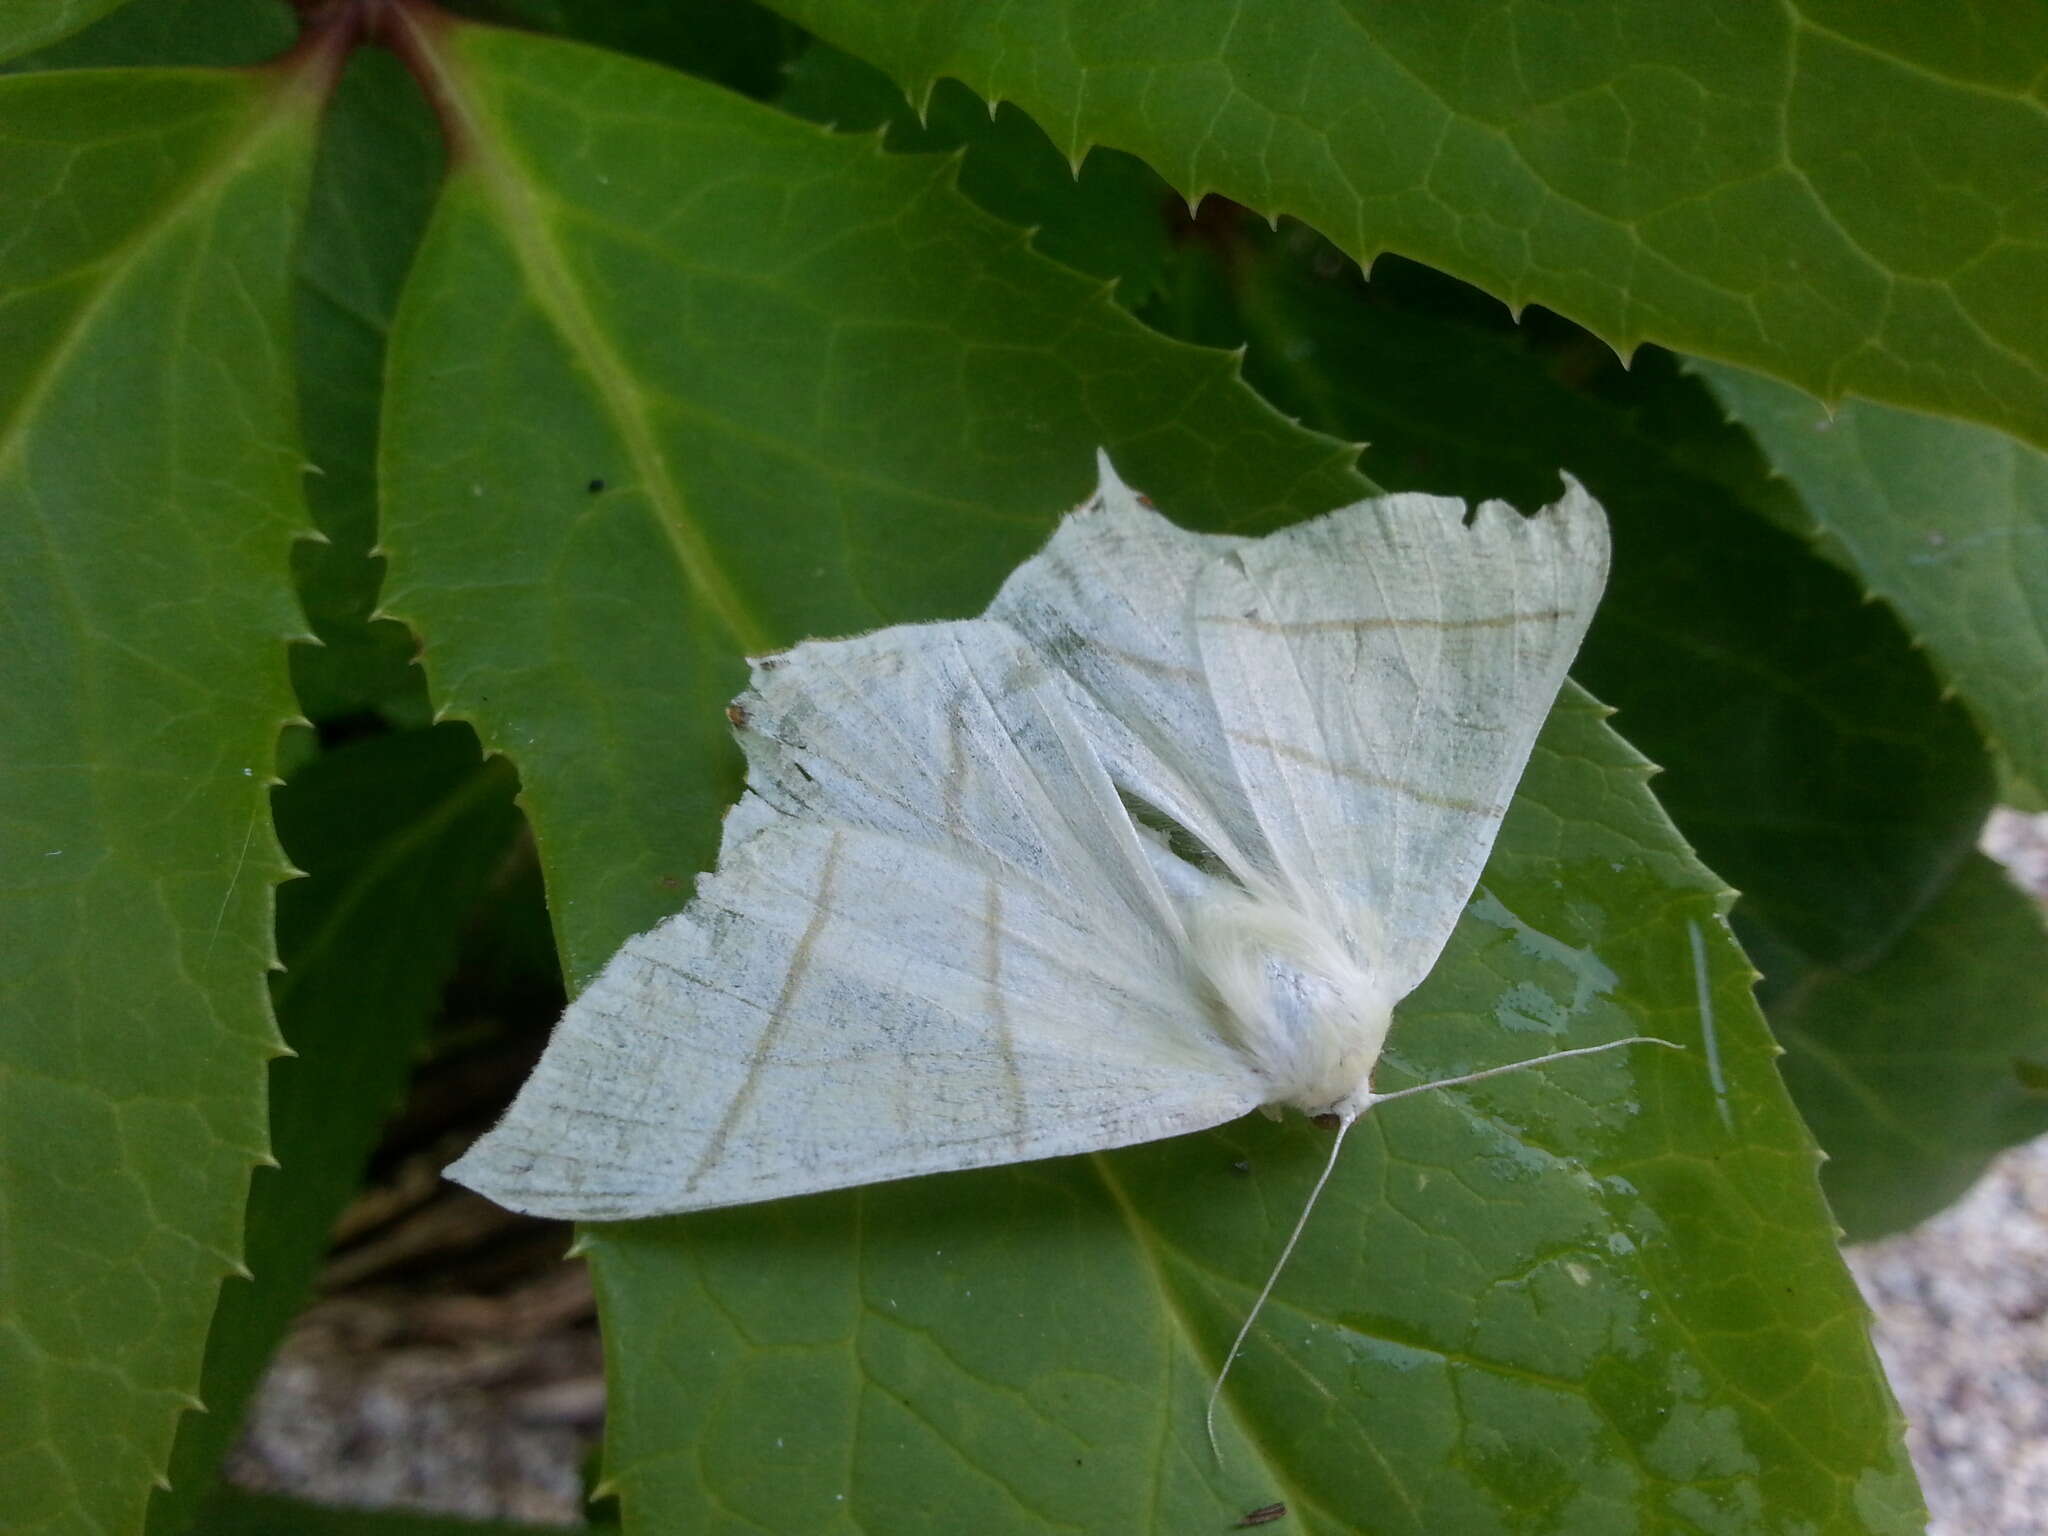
[(1960, 1308), (1960, 1303)]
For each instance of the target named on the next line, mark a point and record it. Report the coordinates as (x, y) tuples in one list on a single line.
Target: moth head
[(1297, 994)]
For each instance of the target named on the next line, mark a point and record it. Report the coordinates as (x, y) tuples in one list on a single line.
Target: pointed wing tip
[(1111, 492), (476, 1171), (482, 1171)]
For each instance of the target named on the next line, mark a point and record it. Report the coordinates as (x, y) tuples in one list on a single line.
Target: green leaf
[(30, 24), (148, 500), (1108, 217), (1848, 198), (160, 33), (822, 392), (1913, 1070), (735, 42), (1605, 1299), (373, 187), (398, 836), (1947, 522), (677, 376)]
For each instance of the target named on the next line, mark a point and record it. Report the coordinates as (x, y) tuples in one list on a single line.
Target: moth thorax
[(1295, 999)]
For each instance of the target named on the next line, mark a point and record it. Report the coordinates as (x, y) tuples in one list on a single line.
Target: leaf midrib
[(487, 149)]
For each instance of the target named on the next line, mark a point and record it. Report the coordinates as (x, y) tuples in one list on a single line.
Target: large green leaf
[(1847, 196), (1598, 1303), (148, 499), (1947, 522), (398, 836), (677, 374), (1916, 1069)]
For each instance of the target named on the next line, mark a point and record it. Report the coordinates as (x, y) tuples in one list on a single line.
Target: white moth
[(1161, 838)]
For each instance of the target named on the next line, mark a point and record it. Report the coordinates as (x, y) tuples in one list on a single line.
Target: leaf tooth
[(230, 1264)]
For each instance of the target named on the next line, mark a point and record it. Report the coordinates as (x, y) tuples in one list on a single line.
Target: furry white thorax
[(1296, 999)]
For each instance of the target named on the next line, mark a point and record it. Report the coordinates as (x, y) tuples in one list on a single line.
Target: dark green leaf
[(734, 42), (31, 24), (1947, 522), (160, 33), (373, 187), (398, 836), (1849, 198), (1111, 216), (148, 500), (1913, 1071)]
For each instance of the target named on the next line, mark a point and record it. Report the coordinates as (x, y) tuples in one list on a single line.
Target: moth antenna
[(1286, 1253), (1376, 1099), (1351, 1117)]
